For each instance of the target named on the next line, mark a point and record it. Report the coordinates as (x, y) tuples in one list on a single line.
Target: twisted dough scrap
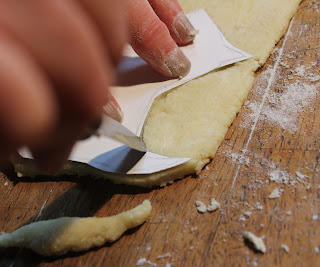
[(58, 236)]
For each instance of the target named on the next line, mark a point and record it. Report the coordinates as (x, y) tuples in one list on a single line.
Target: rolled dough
[(192, 120), (58, 236)]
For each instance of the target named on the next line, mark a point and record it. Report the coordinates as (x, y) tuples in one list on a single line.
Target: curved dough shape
[(192, 120), (58, 236)]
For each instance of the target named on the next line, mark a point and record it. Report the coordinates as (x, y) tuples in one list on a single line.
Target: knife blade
[(116, 131)]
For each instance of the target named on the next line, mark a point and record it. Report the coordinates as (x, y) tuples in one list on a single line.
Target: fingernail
[(177, 63), (113, 109), (183, 29)]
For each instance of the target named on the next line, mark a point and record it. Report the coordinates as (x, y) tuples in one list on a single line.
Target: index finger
[(171, 13)]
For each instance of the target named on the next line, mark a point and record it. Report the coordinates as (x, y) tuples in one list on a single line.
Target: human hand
[(58, 59), (155, 28)]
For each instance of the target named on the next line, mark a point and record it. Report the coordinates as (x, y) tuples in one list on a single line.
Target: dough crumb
[(275, 193), (315, 217), (257, 242), (289, 213), (192, 229), (214, 205), (6, 184), (258, 206), (285, 248), (201, 207), (144, 261), (316, 249)]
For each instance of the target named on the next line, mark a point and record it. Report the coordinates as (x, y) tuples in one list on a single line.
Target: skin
[(58, 59)]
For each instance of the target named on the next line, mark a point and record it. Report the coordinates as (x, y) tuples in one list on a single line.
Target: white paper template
[(138, 86)]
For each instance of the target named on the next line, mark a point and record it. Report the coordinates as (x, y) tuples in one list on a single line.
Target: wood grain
[(238, 177)]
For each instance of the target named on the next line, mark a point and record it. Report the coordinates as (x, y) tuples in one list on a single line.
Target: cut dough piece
[(256, 241), (58, 236), (192, 120)]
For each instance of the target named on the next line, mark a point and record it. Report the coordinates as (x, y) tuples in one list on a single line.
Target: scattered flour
[(275, 193), (256, 241), (313, 78), (164, 256), (148, 248), (289, 213), (6, 184), (241, 158), (316, 249), (247, 213), (300, 175), (279, 176), (284, 106), (300, 71), (285, 248), (315, 217), (144, 261)]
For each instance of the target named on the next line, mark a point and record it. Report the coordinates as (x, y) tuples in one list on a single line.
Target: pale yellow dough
[(56, 237), (192, 120)]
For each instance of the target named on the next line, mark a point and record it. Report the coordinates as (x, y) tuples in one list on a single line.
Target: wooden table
[(255, 149)]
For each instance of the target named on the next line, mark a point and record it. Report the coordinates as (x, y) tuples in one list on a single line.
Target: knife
[(116, 131)]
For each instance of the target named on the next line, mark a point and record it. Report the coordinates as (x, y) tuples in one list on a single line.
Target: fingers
[(28, 108), (108, 19), (171, 13), (152, 41), (72, 57)]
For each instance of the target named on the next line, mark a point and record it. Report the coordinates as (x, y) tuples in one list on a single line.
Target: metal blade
[(116, 131)]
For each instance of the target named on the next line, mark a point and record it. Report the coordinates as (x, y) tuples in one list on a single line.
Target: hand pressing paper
[(58, 236), (139, 86)]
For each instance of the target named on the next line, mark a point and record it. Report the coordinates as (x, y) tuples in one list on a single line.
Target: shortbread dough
[(57, 237), (192, 120)]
